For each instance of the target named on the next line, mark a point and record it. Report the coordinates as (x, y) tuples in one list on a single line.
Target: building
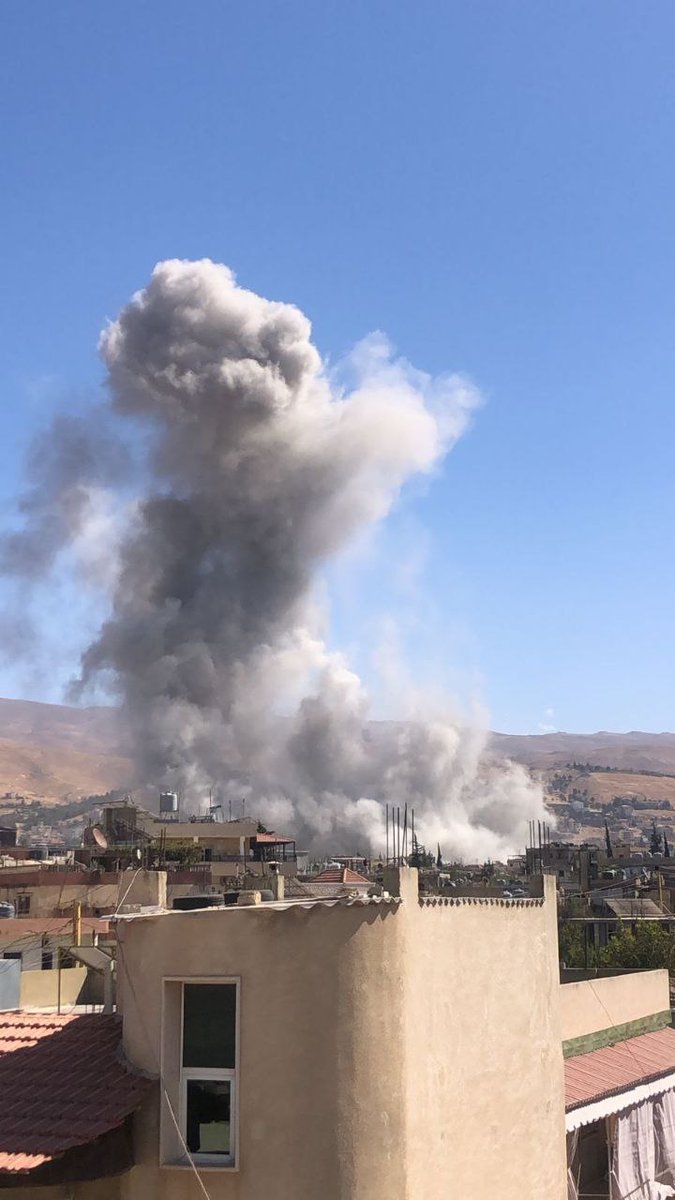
[(229, 850), (37, 968), (619, 1048), (47, 891), (7, 837), (354, 1048), (333, 880)]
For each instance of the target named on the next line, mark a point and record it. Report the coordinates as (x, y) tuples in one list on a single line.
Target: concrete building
[(355, 1048), (362, 1048), (45, 891), (619, 1048), (230, 850)]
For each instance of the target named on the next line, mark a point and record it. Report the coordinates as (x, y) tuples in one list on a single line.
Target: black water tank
[(186, 903)]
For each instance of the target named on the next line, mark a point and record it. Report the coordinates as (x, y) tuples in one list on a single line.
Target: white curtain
[(639, 1152), (664, 1130)]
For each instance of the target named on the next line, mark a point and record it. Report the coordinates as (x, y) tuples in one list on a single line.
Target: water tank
[(6, 909), (187, 903), (168, 802)]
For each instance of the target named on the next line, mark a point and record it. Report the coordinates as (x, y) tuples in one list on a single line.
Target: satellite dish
[(94, 836)]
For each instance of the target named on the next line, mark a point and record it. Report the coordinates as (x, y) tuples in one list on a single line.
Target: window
[(200, 1074), (22, 906), (47, 960), (12, 954)]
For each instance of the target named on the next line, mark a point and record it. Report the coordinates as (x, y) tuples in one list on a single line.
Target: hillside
[(633, 752), (53, 750)]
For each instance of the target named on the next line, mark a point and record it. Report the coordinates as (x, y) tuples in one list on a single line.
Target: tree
[(644, 944), (608, 843), (420, 857), (184, 852), (655, 840)]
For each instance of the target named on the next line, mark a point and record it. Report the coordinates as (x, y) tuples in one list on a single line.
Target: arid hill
[(632, 752), (53, 751)]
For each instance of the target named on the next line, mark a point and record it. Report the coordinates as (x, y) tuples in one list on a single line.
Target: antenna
[(405, 830)]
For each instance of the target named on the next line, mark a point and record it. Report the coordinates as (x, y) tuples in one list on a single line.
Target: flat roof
[(266, 906)]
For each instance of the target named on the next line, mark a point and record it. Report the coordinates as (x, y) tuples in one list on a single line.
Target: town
[(189, 970)]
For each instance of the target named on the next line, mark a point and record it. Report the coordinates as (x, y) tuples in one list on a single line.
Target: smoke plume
[(260, 469)]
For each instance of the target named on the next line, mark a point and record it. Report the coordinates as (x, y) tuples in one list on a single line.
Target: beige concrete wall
[(321, 1107), (40, 989), (387, 1053), (594, 1004), (98, 1189), (484, 1064), (52, 900)]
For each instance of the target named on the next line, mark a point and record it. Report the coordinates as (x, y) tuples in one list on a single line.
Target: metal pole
[(405, 831)]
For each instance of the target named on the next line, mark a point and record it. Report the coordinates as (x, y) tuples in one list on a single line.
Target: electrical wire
[(158, 1066), (121, 902)]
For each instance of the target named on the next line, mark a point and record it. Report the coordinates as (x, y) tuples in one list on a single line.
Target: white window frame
[(223, 1162)]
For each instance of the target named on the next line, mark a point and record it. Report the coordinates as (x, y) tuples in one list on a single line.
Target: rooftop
[(340, 877), (67, 1085), (614, 1069), (646, 909)]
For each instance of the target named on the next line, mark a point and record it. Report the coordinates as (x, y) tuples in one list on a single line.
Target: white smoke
[(260, 470)]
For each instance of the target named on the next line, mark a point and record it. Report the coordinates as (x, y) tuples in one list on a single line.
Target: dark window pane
[(209, 1011), (208, 1116)]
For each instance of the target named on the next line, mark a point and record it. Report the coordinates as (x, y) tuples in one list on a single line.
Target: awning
[(615, 1078)]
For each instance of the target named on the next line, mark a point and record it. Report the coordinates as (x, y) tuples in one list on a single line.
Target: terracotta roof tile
[(590, 1077), (341, 876), (62, 1084)]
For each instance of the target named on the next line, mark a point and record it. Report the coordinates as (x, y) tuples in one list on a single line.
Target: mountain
[(634, 752), (53, 750)]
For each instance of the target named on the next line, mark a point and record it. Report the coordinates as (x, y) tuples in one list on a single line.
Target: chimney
[(277, 881)]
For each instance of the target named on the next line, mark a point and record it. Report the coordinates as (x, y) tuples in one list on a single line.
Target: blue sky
[(490, 183)]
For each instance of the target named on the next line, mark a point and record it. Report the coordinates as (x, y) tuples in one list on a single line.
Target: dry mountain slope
[(49, 750), (52, 751)]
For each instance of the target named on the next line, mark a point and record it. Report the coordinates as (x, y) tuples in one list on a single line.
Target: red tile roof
[(62, 1085), (590, 1077), (342, 876)]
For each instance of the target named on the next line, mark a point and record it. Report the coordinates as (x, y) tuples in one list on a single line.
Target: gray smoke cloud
[(261, 469)]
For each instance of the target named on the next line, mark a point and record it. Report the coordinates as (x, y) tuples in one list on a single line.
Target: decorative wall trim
[(491, 901)]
